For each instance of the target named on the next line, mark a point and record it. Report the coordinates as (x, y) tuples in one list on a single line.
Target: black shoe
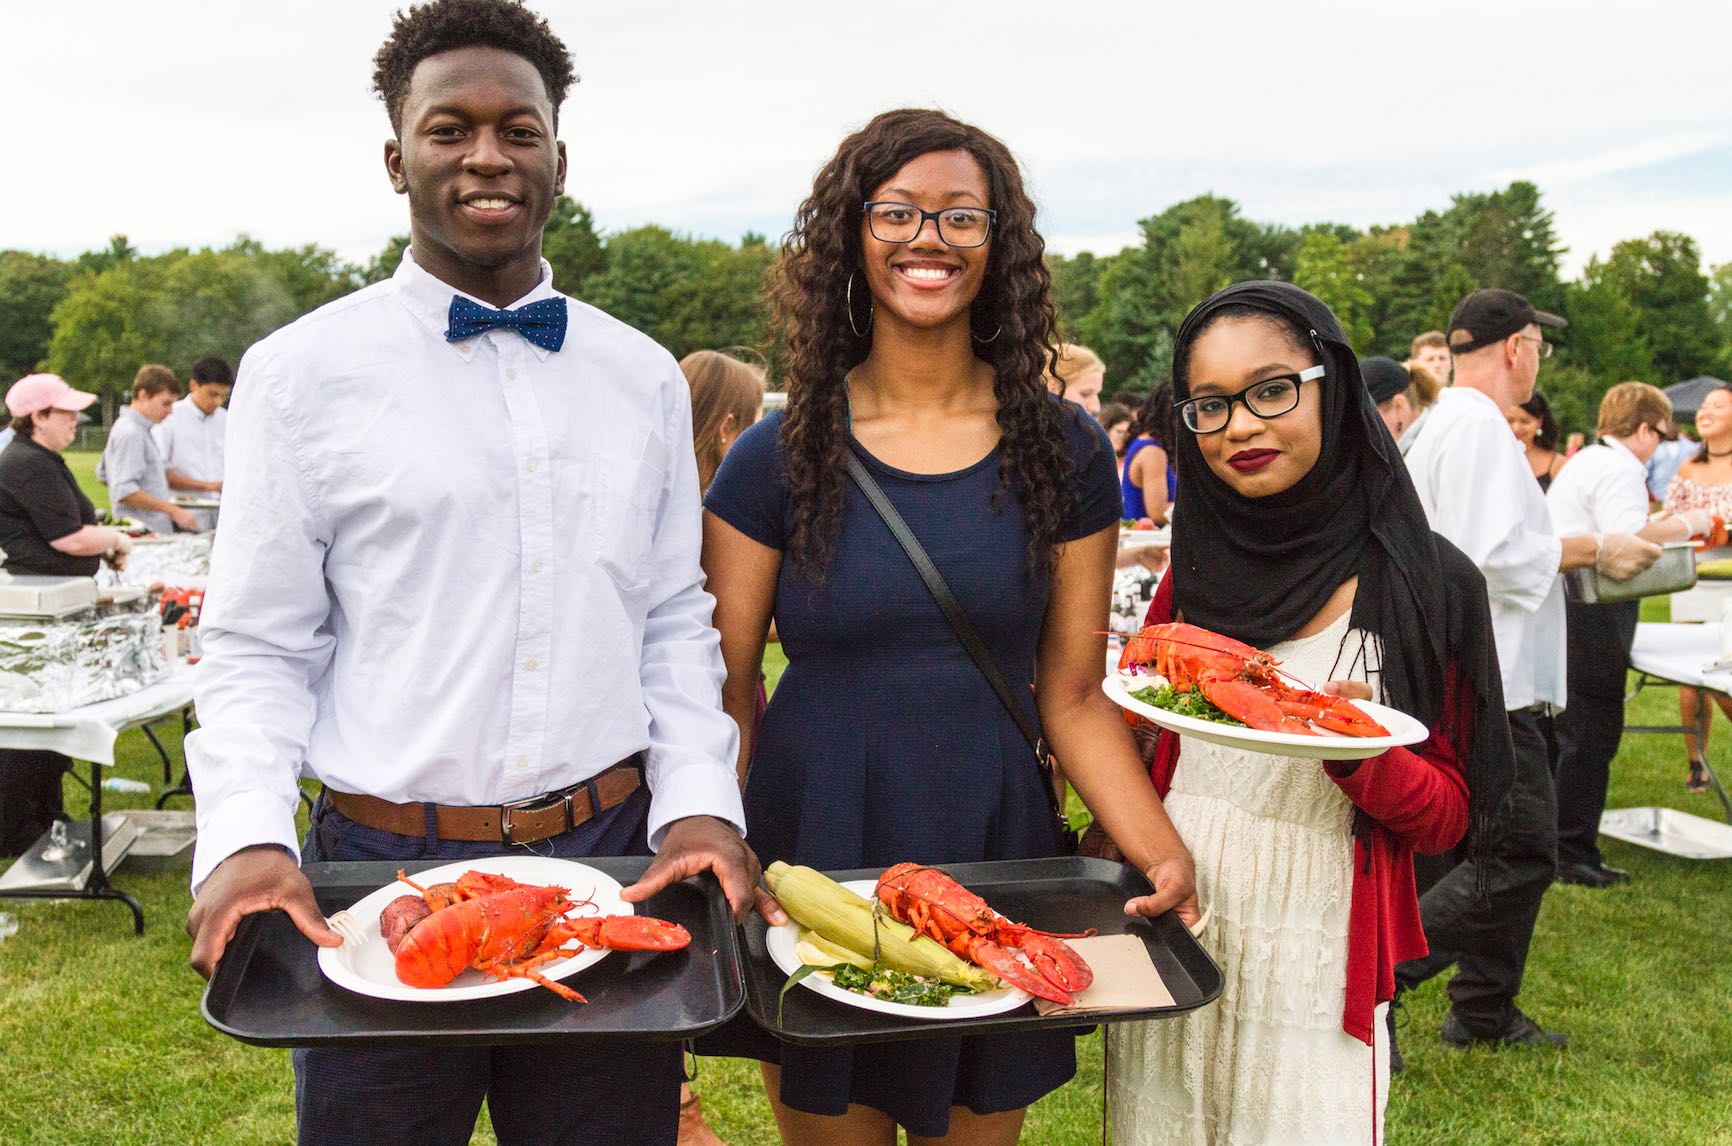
[(1592, 875), (1522, 1032)]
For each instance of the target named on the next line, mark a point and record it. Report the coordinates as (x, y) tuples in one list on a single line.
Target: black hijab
[(1258, 569)]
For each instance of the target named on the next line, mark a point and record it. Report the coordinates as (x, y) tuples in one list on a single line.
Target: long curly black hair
[(1012, 319)]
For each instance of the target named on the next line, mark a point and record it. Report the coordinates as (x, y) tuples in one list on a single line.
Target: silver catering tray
[(1674, 572)]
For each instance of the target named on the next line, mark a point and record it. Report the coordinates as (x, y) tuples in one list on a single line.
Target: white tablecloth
[(88, 733), (1681, 653)]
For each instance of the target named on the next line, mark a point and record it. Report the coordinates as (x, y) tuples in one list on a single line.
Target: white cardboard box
[(33, 596)]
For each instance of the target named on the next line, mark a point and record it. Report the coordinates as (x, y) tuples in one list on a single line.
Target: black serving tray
[(268, 989), (1066, 893)]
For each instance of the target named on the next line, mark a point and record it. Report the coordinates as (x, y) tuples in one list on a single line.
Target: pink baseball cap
[(35, 392)]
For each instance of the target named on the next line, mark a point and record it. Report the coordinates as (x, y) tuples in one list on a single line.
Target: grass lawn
[(82, 463), (101, 1039)]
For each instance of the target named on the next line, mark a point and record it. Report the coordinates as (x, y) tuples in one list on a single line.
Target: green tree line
[(1648, 310)]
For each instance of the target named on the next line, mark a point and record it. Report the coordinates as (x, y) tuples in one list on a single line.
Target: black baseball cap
[(1491, 315), (1384, 377)]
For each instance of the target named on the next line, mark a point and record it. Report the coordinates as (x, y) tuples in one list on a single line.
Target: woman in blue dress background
[(916, 312), (1150, 480)]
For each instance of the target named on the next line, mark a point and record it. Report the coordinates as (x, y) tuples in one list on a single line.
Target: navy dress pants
[(621, 1094)]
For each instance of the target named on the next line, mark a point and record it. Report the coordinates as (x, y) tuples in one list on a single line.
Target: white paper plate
[(1403, 729), (371, 969), (780, 942)]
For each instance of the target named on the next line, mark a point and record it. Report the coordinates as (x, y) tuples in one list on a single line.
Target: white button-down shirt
[(464, 573), (191, 441), (191, 444), (1604, 489), (1478, 491)]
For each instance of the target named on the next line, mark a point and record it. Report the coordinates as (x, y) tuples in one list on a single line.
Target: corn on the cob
[(821, 952), (820, 904)]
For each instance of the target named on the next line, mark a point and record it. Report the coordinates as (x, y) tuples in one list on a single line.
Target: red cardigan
[(1417, 801)]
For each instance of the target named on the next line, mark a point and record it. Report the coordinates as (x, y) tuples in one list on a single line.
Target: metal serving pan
[(1674, 572)]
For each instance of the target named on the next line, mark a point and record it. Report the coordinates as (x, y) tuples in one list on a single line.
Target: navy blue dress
[(884, 743)]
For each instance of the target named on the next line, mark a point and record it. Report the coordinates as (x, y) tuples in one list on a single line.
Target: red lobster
[(940, 908), (1242, 681), (505, 929)]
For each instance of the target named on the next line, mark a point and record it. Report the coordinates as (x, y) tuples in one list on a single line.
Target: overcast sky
[(185, 123)]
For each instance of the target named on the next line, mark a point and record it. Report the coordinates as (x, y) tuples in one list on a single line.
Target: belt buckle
[(535, 804)]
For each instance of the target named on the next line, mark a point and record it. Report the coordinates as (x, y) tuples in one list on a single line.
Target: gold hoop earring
[(858, 333)]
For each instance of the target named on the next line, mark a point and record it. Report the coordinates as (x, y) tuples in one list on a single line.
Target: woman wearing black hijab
[(1302, 535)]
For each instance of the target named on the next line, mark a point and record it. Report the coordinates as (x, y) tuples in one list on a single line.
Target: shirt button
[(522, 762), (535, 566), (530, 465), (531, 664), (511, 373)]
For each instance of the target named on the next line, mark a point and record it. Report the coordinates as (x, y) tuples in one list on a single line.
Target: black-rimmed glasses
[(1269, 398), (892, 222)]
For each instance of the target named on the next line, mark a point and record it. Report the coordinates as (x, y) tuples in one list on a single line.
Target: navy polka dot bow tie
[(543, 322)]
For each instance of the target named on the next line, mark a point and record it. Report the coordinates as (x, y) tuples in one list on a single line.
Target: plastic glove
[(1700, 521), (1623, 555)]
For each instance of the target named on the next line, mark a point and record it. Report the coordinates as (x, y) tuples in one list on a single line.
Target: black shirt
[(40, 502)]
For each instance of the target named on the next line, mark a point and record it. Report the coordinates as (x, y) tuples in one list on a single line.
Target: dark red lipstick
[(1250, 461)]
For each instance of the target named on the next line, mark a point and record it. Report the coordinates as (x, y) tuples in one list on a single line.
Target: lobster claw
[(1012, 970), (1057, 962), (1253, 706), (1335, 713), (627, 933)]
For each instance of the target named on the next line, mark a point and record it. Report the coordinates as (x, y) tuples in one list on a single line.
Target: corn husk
[(845, 920)]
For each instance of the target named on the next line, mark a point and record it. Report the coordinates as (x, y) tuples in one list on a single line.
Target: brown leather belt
[(520, 822)]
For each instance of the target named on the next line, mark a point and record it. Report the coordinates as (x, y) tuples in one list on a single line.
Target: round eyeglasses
[(1269, 398), (957, 226)]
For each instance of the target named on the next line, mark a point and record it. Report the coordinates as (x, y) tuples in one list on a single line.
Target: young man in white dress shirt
[(190, 439), (458, 582), (1479, 493), (1604, 489)]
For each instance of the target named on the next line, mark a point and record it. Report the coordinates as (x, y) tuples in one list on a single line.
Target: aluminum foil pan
[(98, 654), (173, 560)]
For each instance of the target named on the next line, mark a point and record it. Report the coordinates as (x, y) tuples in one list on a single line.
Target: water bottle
[(122, 784)]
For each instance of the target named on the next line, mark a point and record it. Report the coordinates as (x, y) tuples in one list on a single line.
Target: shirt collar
[(429, 299), (128, 413), (1618, 447), (192, 410)]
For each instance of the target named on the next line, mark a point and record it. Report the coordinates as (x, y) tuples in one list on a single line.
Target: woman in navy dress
[(916, 312)]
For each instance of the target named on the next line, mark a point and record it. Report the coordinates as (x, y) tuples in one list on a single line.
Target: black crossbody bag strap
[(964, 628)]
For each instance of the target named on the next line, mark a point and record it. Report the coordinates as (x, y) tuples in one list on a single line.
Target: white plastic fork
[(348, 927)]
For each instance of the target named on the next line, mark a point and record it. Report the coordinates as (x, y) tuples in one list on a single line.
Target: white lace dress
[(1268, 1061)]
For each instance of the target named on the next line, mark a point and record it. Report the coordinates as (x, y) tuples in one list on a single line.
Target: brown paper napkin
[(1125, 978)]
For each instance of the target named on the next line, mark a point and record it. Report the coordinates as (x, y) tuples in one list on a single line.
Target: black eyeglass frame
[(1309, 374), (937, 222)]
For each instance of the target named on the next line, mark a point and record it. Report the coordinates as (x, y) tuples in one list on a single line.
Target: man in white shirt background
[(476, 629), (1604, 490), (131, 464), (1479, 493), (190, 439)]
